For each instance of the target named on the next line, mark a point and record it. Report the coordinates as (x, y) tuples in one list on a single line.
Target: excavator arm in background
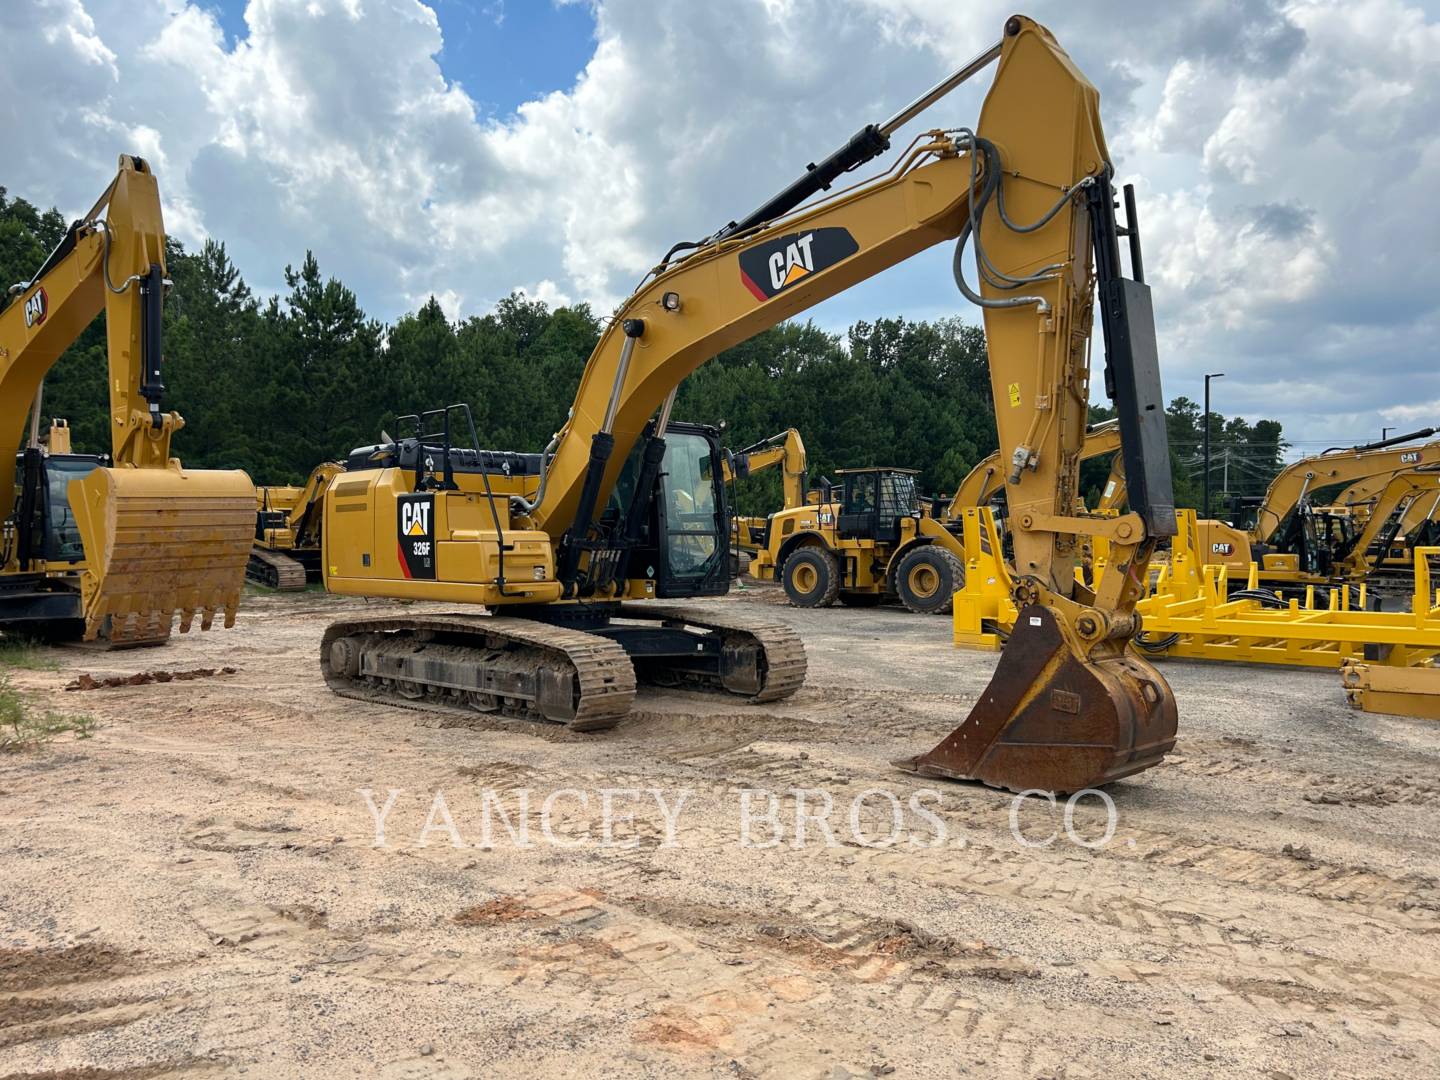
[(1302, 479), (1029, 192), (1409, 488), (1417, 524), (288, 522), (785, 448), (117, 550), (987, 479)]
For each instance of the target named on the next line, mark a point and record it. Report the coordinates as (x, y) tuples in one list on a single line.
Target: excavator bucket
[(158, 542), (1053, 720)]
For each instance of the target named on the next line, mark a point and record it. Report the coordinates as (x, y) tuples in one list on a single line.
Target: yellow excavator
[(1293, 542), (624, 505), (875, 538), (1367, 554), (286, 554), (96, 547)]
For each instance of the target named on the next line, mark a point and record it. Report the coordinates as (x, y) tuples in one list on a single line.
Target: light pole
[(1206, 436)]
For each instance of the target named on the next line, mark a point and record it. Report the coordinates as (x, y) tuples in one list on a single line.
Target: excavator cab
[(682, 545), (875, 501), (45, 526)]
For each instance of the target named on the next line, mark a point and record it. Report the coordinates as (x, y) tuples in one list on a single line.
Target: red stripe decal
[(759, 294), (400, 551)]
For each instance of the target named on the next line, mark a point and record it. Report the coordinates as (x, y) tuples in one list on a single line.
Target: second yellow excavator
[(1293, 543), (109, 549), (625, 505), (787, 450), (286, 554)]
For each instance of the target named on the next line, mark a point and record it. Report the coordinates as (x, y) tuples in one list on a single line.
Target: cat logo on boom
[(36, 308), (772, 267), (1410, 457)]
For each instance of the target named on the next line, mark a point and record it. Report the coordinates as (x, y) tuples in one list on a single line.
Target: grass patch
[(22, 653), (23, 728)]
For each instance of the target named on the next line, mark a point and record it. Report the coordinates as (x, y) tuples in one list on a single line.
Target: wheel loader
[(579, 552), (881, 540), (109, 548)]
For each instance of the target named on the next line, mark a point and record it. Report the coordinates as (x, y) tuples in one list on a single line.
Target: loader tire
[(812, 578), (927, 578)]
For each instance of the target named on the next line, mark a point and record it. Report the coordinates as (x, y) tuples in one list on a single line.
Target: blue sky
[(1285, 153), (504, 52)]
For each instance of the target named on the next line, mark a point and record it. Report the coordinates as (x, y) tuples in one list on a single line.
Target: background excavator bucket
[(1052, 720), (158, 542)]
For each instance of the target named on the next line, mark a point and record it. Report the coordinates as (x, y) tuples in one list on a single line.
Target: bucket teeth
[(1053, 720), (162, 542)]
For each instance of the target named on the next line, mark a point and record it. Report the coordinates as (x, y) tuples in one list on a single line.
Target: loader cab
[(45, 525), (873, 503)]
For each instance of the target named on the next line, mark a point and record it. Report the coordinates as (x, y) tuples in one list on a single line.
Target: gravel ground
[(195, 888)]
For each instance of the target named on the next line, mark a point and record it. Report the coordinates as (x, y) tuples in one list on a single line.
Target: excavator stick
[(160, 542), (1053, 720)]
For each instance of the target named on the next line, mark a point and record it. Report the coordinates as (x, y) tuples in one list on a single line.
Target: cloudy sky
[(1287, 155)]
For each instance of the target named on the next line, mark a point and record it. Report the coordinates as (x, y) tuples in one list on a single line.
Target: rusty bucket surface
[(1052, 720), (161, 542)]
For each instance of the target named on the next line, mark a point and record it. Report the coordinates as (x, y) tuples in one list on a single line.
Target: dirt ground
[(195, 889)]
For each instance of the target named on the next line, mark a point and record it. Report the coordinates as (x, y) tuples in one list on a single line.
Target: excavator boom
[(1303, 479), (118, 550), (787, 449), (619, 499)]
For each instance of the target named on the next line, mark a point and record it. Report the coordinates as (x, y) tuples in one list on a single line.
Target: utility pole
[(1385, 433), (1225, 489), (1206, 436)]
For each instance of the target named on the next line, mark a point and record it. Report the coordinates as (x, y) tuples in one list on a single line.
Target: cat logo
[(1410, 457), (772, 267), (1222, 549), (36, 308), (415, 518), (416, 525)]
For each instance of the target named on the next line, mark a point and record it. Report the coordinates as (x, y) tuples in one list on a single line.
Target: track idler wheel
[(1052, 720)]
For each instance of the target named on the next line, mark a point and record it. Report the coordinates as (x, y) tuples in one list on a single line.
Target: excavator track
[(274, 571), (782, 663), (481, 663)]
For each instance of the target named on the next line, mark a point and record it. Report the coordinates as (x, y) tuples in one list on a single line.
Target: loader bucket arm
[(786, 449)]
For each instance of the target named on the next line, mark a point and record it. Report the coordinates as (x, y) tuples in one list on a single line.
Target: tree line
[(275, 386)]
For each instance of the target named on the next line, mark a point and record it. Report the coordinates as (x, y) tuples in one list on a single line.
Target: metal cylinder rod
[(35, 415), (939, 90), (664, 419)]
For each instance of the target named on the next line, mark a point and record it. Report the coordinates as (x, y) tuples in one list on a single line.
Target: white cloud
[(1285, 153)]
